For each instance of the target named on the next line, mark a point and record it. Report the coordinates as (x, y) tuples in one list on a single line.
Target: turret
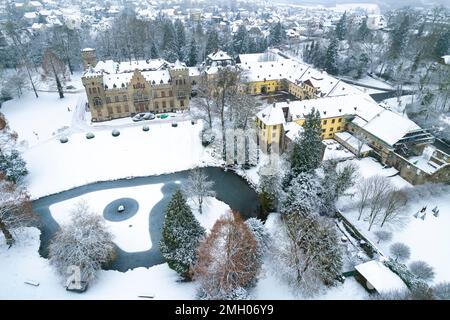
[(89, 58)]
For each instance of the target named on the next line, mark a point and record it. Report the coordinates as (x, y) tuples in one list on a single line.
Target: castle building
[(121, 89)]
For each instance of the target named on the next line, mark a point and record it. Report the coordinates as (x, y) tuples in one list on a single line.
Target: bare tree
[(84, 243), (227, 259), (307, 254), (204, 101), (400, 251), (54, 66), (422, 270), (364, 193), (198, 187), (380, 190), (383, 236), (392, 213), (15, 209)]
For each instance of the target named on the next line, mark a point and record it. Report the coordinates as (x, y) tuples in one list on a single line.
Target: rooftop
[(380, 276)]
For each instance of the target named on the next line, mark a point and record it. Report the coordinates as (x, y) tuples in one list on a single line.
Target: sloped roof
[(380, 276)]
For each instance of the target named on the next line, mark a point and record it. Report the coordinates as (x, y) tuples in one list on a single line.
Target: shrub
[(90, 135), (145, 128), (115, 133), (63, 139)]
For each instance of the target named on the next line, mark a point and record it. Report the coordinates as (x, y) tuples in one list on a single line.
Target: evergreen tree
[(181, 235), (193, 53), (341, 28), (308, 147), (399, 38), (363, 31), (180, 36), (363, 63), (276, 34), (169, 45), (12, 166), (153, 51), (331, 57), (240, 40), (212, 42), (442, 44)]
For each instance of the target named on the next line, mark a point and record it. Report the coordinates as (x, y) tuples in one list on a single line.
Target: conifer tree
[(193, 53), (331, 57), (181, 235), (341, 28), (308, 148)]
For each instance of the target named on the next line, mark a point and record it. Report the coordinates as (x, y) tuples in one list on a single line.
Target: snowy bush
[(442, 291), (85, 244), (199, 187), (115, 133), (90, 135), (260, 234), (174, 124), (63, 139), (12, 166), (145, 128), (181, 235), (403, 272), (383, 236), (208, 137), (400, 251), (422, 270)]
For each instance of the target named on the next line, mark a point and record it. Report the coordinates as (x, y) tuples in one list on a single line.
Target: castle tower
[(89, 58), (179, 75)]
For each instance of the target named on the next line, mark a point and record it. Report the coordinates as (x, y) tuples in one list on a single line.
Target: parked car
[(143, 116)]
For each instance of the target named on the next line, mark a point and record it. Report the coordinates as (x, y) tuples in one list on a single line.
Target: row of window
[(332, 129), (325, 121)]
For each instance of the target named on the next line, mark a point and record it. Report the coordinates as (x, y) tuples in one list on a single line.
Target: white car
[(143, 116)]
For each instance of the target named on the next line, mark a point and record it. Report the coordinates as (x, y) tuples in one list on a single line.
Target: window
[(110, 110), (324, 121), (94, 90), (126, 108), (338, 128), (116, 98), (331, 129), (333, 121), (170, 93), (90, 91), (163, 94), (156, 105), (164, 105), (340, 120), (97, 101), (108, 100), (171, 104), (323, 130), (125, 97), (181, 103), (330, 134)]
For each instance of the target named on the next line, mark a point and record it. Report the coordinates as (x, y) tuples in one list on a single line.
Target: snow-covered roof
[(446, 59), (87, 49), (30, 15), (112, 67), (390, 126), (353, 141), (292, 130), (272, 115), (219, 55), (258, 57), (380, 276), (35, 4), (194, 71)]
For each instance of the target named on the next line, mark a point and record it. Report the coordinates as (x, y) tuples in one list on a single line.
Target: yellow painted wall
[(271, 85), (329, 126)]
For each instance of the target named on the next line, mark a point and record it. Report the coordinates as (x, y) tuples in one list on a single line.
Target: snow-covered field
[(162, 149), (399, 105), (428, 239)]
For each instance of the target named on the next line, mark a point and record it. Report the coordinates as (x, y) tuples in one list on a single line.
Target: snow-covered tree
[(227, 259), (392, 210), (341, 28), (277, 34), (331, 58), (381, 189), (307, 253), (422, 270), (335, 182), (181, 235), (53, 66), (85, 243), (268, 189), (442, 291), (12, 166), (212, 42), (308, 148), (260, 234), (400, 251), (383, 236), (192, 57), (198, 187), (303, 196), (15, 210)]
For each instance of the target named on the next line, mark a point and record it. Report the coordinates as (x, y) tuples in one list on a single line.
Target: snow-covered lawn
[(428, 239), (37, 120), (54, 166)]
